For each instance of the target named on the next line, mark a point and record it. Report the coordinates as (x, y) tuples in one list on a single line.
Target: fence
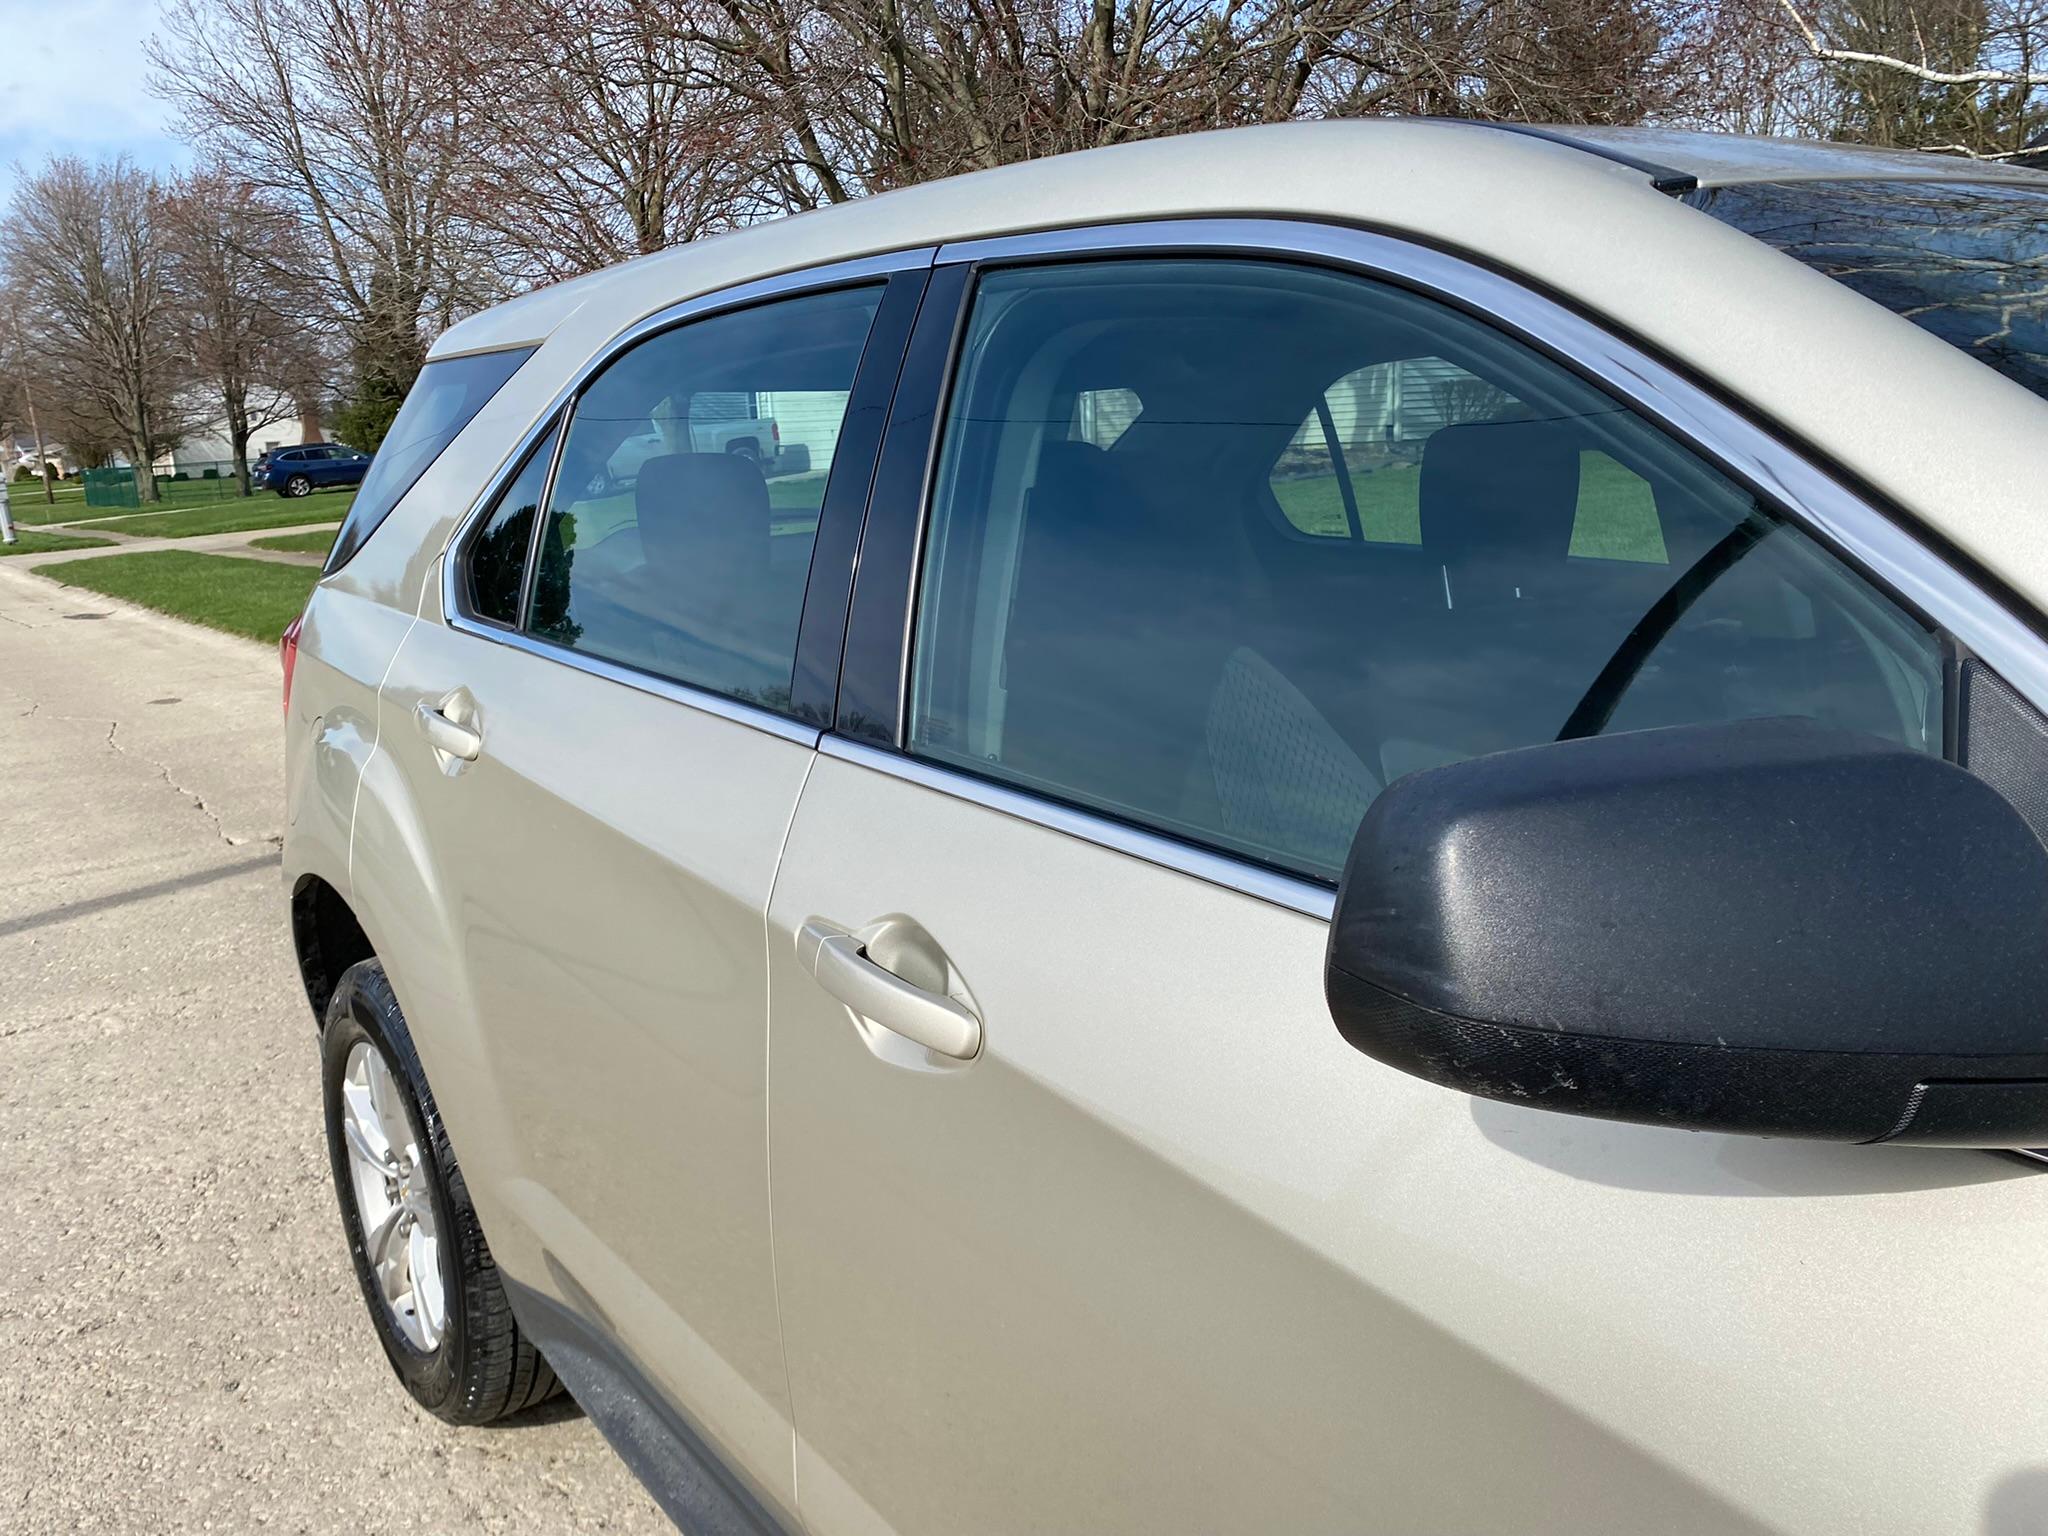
[(192, 485)]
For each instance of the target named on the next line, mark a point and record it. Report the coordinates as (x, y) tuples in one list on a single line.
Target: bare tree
[(1955, 76), (83, 252), (232, 256), (605, 136), (353, 114)]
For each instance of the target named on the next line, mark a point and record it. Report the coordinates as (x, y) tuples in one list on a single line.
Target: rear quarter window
[(444, 399)]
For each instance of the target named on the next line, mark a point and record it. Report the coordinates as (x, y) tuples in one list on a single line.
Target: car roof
[(1259, 169), (1729, 159), (1576, 213)]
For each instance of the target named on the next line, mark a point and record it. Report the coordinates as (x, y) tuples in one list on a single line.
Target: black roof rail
[(1664, 178)]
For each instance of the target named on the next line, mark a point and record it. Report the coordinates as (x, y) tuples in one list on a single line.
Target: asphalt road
[(182, 1344)]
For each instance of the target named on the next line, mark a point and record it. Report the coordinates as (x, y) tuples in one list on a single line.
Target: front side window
[(1350, 534), (679, 529)]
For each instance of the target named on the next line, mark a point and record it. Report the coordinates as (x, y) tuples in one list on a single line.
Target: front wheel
[(426, 1272)]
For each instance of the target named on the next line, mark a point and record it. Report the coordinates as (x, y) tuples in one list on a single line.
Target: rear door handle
[(841, 965), (449, 736)]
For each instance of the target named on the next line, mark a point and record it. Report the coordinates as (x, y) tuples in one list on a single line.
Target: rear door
[(1085, 1216), (605, 740)]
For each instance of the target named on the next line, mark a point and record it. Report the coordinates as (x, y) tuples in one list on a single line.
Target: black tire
[(297, 485), (483, 1369), (745, 448)]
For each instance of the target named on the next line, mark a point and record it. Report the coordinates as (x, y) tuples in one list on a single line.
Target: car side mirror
[(1764, 927)]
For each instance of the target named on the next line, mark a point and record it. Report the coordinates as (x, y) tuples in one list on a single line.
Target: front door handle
[(839, 961), (450, 736)]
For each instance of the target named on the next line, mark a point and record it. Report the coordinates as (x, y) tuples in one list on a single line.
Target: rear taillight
[(288, 654), (775, 430)]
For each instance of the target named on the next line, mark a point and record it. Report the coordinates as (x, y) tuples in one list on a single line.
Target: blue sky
[(73, 79)]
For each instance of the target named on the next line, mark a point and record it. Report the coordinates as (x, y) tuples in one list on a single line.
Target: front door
[(1086, 1219)]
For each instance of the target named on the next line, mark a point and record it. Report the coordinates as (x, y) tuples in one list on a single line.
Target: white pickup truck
[(755, 437)]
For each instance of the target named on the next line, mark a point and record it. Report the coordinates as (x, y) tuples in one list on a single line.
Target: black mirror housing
[(1763, 927)]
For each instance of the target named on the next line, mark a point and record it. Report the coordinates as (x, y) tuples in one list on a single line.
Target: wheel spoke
[(390, 1106), (420, 1268), (377, 1243), (359, 1110), (374, 1157)]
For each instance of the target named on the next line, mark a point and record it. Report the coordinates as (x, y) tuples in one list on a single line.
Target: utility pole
[(42, 464), (28, 396)]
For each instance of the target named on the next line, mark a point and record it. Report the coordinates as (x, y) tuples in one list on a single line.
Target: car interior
[(1139, 626), (685, 572)]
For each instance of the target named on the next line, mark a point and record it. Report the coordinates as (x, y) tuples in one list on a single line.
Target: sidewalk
[(182, 1341), (206, 543)]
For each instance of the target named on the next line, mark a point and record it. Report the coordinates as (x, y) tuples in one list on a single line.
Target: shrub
[(209, 473)]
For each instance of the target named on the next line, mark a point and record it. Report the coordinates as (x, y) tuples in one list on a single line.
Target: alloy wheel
[(394, 1204)]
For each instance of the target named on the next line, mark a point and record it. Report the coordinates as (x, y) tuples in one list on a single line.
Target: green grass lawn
[(318, 542), (1617, 513), (234, 516), (257, 598), (26, 506), (30, 541)]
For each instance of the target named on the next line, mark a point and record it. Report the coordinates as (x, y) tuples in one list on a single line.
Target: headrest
[(1500, 491), (697, 510)]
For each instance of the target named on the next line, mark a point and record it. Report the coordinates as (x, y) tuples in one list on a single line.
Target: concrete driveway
[(182, 1344)]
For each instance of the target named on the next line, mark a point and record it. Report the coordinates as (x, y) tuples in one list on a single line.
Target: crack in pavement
[(198, 800), (163, 771)]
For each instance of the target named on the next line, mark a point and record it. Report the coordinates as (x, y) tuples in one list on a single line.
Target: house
[(19, 452), (206, 444)]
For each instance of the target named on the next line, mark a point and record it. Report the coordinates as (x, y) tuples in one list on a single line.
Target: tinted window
[(1149, 630), (1354, 470), (1962, 261), (678, 543), (444, 398), (496, 554)]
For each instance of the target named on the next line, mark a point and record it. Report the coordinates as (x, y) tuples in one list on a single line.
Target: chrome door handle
[(841, 965), (446, 735)]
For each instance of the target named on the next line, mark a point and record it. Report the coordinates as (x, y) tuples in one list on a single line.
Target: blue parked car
[(310, 467)]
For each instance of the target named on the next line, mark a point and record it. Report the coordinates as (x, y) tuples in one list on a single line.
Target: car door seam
[(768, 1122)]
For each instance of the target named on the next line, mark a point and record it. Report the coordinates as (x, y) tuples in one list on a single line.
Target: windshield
[(1967, 261), (446, 395)]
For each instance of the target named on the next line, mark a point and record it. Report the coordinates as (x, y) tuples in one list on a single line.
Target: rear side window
[(679, 530), (1197, 629), (496, 556), (1961, 260), (444, 399)]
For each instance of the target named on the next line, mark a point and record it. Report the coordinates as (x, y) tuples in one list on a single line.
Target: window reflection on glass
[(1350, 534), (498, 549), (1967, 261), (679, 531)]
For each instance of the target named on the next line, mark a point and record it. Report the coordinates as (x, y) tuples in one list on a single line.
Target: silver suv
[(1271, 896)]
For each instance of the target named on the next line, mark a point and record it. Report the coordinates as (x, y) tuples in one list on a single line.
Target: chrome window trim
[(1892, 553), (455, 612), (1303, 896)]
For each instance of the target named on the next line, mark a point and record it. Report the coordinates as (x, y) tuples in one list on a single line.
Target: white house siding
[(808, 416), (1397, 402), (208, 444)]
